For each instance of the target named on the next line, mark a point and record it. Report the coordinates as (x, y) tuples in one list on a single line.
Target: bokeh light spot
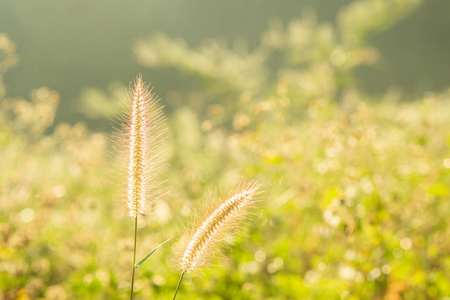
[(397, 252), (406, 243), (27, 215), (374, 274), (260, 256), (386, 269), (446, 163), (59, 191)]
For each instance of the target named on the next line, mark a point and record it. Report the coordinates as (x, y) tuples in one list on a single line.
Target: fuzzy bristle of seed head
[(227, 215), (140, 140)]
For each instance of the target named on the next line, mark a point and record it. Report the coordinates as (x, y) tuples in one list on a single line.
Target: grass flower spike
[(139, 141), (228, 216), (141, 132)]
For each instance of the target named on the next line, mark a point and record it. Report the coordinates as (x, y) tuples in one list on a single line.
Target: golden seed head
[(140, 140), (228, 215)]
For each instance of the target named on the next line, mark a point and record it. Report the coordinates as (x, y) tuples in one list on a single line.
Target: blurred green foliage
[(89, 42), (356, 186)]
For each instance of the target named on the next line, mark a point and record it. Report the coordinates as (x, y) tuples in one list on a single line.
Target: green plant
[(202, 245), (357, 184), (139, 142)]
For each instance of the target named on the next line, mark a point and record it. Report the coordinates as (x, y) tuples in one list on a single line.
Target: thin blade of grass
[(149, 254)]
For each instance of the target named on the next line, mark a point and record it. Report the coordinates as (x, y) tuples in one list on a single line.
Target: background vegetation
[(356, 174)]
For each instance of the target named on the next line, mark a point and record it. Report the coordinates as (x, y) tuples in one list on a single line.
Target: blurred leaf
[(149, 254)]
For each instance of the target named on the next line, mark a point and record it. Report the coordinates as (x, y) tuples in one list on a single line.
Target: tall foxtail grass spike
[(229, 215), (140, 141)]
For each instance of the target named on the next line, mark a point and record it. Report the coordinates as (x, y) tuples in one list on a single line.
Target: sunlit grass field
[(356, 186)]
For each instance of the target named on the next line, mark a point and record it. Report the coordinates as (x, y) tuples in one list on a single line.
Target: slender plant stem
[(179, 282), (134, 257)]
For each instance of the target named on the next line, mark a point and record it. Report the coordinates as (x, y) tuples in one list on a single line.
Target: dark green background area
[(71, 45)]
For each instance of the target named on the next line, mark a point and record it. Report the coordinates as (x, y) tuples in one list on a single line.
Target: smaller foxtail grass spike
[(229, 215)]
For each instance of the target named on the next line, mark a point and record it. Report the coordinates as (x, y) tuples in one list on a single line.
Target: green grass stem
[(178, 285), (134, 257)]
